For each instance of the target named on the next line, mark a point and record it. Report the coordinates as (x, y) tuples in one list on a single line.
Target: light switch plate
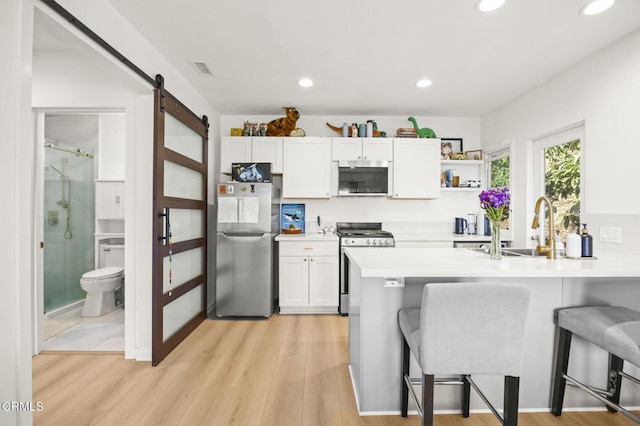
[(611, 234)]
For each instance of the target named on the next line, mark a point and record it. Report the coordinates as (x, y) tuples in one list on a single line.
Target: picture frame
[(292, 218), (450, 146), (474, 155)]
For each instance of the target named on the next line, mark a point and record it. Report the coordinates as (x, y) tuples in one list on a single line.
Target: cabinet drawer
[(309, 248)]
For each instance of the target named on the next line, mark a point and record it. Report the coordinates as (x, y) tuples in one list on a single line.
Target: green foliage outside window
[(562, 183), (499, 178), (500, 172)]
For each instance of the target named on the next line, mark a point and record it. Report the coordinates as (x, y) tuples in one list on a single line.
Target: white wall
[(112, 140), (407, 214), (16, 185), (603, 92)]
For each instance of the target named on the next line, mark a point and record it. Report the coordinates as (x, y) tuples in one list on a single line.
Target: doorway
[(73, 236)]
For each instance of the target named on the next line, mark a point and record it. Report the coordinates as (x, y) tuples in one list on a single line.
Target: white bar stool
[(613, 328), (464, 329)]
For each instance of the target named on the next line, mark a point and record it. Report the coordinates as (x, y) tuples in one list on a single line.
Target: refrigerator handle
[(245, 234), (166, 228)]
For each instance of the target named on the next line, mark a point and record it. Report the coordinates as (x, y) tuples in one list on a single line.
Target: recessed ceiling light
[(424, 83), (596, 6), (488, 5), (305, 82)]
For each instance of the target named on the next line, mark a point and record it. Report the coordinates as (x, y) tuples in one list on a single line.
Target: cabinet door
[(306, 168), (267, 150), (110, 200), (416, 168), (234, 150), (294, 280), (346, 149), (323, 281), (377, 149)]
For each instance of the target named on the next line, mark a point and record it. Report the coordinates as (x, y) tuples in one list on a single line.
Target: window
[(558, 176), (498, 167), (498, 173)]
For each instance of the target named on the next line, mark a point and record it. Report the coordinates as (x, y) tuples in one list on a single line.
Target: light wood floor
[(288, 370)]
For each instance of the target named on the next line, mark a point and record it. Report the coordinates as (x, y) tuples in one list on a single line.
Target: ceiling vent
[(202, 68)]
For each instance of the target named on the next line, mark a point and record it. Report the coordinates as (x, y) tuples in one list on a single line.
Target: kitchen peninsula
[(387, 279)]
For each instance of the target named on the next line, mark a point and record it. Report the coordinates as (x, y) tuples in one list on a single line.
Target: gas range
[(357, 234), (363, 235)]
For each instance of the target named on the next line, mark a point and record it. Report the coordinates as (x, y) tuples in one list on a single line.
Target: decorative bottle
[(587, 242), (559, 245), (574, 245)]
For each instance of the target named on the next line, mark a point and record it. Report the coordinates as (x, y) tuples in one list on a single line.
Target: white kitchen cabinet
[(465, 170), (109, 200), (308, 277), (236, 149), (416, 168), (306, 168), (359, 149)]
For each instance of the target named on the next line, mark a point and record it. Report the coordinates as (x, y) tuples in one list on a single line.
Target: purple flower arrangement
[(495, 202)]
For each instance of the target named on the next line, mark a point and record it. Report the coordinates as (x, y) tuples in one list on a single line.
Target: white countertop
[(431, 236), (461, 262), (307, 237)]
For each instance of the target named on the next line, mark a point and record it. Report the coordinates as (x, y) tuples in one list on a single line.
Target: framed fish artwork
[(292, 218)]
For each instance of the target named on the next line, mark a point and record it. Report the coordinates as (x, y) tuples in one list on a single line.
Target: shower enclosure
[(68, 206)]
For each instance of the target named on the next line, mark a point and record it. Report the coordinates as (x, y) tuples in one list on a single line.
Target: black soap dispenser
[(587, 242)]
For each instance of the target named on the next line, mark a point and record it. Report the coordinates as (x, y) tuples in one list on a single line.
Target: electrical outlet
[(393, 282), (611, 234)]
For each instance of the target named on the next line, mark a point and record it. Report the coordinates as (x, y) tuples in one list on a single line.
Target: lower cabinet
[(308, 277)]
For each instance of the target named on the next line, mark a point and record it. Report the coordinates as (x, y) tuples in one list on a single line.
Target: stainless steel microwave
[(363, 178)]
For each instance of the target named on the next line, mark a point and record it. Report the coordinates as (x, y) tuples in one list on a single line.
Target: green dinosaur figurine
[(424, 132)]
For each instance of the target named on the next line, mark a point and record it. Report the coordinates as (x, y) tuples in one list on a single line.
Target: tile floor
[(71, 332)]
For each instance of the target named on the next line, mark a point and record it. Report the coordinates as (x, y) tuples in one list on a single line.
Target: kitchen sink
[(513, 251)]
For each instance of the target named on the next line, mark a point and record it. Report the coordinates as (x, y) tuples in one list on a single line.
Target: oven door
[(343, 307)]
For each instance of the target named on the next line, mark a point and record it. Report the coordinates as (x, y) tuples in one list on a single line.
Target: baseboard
[(64, 309), (316, 310)]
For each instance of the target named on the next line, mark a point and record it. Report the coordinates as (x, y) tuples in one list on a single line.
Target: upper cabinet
[(236, 149), (416, 168), (362, 149), (306, 167), (109, 199)]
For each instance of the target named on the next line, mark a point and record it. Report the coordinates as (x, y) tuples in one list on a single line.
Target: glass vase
[(495, 251)]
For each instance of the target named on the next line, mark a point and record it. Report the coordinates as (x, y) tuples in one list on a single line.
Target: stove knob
[(345, 241), (375, 242)]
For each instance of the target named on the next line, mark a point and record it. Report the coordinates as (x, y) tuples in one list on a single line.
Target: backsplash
[(630, 224)]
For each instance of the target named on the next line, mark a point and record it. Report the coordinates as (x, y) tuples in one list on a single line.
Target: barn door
[(179, 223)]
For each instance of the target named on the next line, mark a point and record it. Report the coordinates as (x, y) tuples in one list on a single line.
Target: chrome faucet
[(549, 247)]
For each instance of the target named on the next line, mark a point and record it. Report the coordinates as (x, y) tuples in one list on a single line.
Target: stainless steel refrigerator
[(247, 218)]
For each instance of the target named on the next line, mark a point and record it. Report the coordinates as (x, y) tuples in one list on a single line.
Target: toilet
[(104, 283)]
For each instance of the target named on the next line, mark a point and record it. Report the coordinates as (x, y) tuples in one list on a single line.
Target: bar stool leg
[(511, 387), (562, 365), (406, 352), (465, 396), (614, 382), (428, 382)]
